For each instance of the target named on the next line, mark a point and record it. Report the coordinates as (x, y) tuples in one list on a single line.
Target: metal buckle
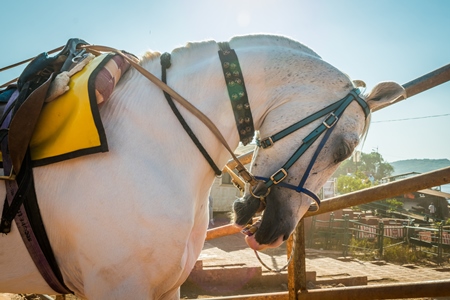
[(332, 124), (266, 143), (11, 176), (276, 173)]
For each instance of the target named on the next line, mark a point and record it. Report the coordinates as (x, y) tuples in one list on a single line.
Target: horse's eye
[(342, 152)]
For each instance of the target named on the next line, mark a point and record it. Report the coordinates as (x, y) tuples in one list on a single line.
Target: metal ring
[(79, 57), (261, 197)]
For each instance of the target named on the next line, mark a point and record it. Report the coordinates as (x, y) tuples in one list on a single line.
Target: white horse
[(131, 223)]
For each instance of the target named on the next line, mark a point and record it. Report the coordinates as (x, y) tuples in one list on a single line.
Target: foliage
[(394, 253), (400, 253), (368, 164), (346, 184), (382, 207), (363, 248), (393, 204)]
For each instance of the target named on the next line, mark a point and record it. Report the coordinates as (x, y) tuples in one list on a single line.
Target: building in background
[(223, 192)]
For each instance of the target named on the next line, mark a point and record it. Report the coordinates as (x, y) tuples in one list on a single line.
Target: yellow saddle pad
[(70, 126)]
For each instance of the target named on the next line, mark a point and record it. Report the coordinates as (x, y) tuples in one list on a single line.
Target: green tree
[(368, 164), (346, 183), (373, 163)]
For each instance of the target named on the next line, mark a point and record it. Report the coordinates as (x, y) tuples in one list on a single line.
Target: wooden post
[(297, 267)]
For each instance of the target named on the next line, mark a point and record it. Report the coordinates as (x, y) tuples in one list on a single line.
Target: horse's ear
[(384, 94)]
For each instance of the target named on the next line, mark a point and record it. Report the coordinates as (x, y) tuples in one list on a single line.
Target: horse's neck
[(204, 88)]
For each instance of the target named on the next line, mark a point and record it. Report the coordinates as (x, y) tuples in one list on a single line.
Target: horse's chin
[(252, 236), (252, 243)]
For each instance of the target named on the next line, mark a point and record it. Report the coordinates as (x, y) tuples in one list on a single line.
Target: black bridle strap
[(246, 175), (335, 111), (165, 64)]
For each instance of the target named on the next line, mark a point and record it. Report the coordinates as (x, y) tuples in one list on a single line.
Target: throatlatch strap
[(237, 93)]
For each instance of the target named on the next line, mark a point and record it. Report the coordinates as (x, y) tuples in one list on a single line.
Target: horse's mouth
[(270, 235), (250, 229)]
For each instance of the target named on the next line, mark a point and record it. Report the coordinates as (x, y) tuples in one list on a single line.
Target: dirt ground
[(232, 251)]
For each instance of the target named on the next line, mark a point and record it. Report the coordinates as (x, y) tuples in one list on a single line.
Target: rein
[(165, 64), (243, 172)]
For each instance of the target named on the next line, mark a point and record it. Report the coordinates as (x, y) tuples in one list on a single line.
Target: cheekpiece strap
[(237, 92)]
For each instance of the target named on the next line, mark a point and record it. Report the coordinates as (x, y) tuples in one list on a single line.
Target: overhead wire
[(415, 118)]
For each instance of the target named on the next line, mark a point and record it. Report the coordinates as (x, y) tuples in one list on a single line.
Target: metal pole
[(424, 83), (384, 191), (379, 192), (435, 288)]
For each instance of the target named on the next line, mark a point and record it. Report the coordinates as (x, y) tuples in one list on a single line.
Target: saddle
[(53, 108), (46, 117)]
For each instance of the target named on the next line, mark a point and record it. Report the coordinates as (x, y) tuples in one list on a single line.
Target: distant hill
[(418, 165)]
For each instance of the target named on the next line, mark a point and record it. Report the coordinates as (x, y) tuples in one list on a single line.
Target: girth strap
[(21, 205)]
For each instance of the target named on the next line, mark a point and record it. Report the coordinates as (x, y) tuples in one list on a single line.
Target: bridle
[(244, 122), (239, 100), (332, 112)]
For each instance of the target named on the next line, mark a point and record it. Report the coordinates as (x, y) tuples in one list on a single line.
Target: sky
[(374, 41)]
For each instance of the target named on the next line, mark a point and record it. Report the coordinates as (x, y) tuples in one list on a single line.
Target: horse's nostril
[(244, 209)]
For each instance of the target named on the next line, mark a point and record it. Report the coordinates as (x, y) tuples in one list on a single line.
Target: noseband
[(332, 112)]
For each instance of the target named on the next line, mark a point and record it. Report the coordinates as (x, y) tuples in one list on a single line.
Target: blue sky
[(374, 41)]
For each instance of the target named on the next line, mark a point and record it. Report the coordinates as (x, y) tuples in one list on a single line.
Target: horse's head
[(315, 122)]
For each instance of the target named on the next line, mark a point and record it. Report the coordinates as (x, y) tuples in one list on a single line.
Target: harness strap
[(21, 204), (237, 92), (96, 49), (165, 64)]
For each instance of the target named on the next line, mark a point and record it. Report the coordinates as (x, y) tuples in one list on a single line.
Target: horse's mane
[(270, 40), (192, 48), (149, 56)]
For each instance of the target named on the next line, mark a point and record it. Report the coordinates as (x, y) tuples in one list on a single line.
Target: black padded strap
[(237, 93)]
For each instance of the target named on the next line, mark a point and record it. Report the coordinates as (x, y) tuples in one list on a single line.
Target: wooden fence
[(297, 271)]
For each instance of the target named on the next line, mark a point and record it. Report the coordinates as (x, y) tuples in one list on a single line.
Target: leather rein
[(243, 172)]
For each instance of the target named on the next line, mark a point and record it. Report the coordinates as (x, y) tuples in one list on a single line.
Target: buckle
[(281, 172), (11, 176), (266, 143), (333, 123)]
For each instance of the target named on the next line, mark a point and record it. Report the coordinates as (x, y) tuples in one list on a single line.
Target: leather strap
[(237, 92), (21, 204), (165, 64), (24, 122), (97, 49)]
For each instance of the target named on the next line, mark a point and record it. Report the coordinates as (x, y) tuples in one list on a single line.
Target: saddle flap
[(23, 123)]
